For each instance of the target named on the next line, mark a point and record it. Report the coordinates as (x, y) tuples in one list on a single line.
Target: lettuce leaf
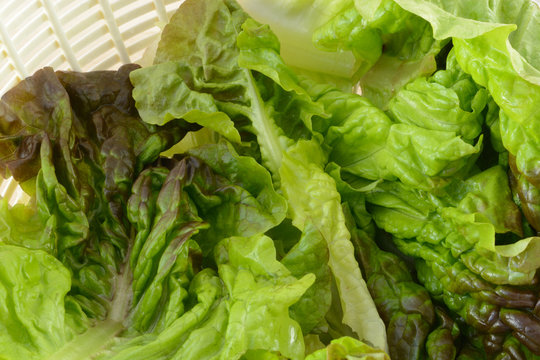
[(347, 38), (269, 105), (238, 92), (494, 42), (230, 305), (447, 101), (364, 141), (148, 304), (348, 348), (310, 255), (248, 307), (35, 318), (404, 305), (115, 239), (455, 240), (313, 198), (295, 24)]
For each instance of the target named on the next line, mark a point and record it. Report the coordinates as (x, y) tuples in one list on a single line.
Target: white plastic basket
[(78, 35)]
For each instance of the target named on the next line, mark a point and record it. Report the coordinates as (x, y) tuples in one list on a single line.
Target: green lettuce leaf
[(313, 198), (231, 84), (348, 348), (409, 49), (233, 194), (441, 342), (310, 255), (295, 24), (447, 101), (494, 42), (352, 190), (35, 317), (162, 247), (469, 219), (342, 39), (246, 206), (225, 322), (389, 74), (364, 141), (177, 101), (279, 114), (252, 276), (528, 195), (23, 225)]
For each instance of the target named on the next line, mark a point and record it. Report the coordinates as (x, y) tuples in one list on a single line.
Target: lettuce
[(145, 257), (279, 114), (230, 83), (407, 145), (454, 240), (296, 22), (404, 305), (349, 348), (494, 43), (34, 320), (114, 244), (156, 293), (288, 180), (352, 40), (313, 198), (450, 96)]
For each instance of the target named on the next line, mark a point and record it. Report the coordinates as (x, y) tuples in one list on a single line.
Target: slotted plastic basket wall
[(79, 35)]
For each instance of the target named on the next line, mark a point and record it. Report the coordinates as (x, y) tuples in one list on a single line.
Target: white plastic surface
[(78, 35)]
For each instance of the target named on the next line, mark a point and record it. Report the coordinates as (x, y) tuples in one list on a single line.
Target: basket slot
[(19, 197), (137, 23), (8, 73), (114, 31), (37, 43), (137, 20), (12, 52), (8, 187), (161, 10), (90, 37), (49, 55), (138, 46), (61, 35), (171, 6)]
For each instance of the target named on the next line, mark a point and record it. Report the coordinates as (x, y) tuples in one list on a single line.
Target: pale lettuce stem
[(90, 343), (96, 338)]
